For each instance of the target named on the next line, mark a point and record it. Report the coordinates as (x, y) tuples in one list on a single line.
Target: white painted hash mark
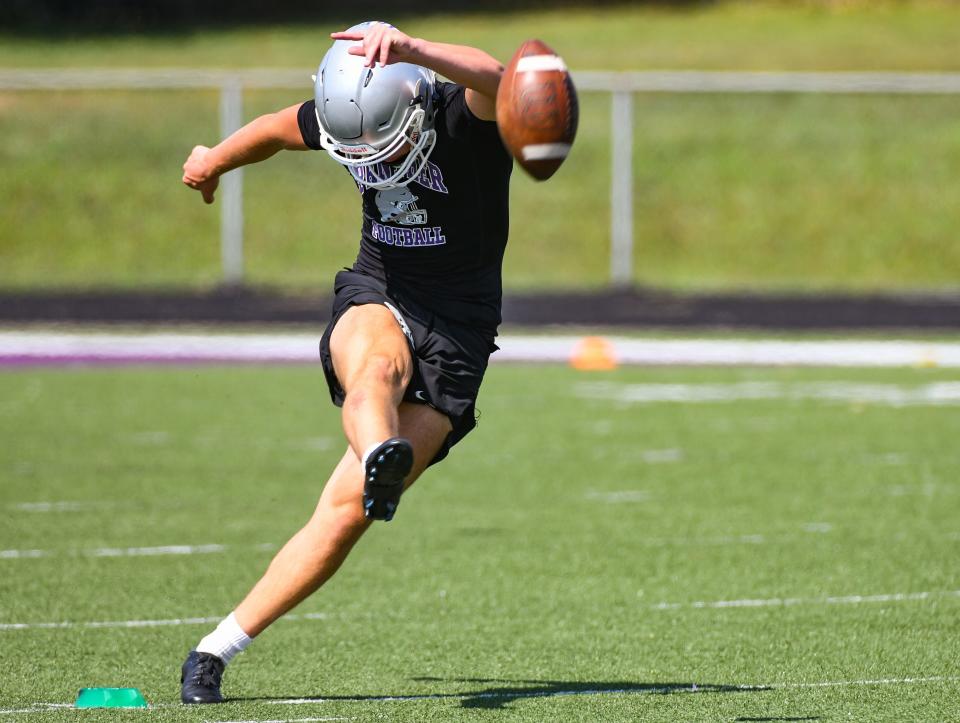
[(150, 551), (133, 551), (658, 456), (893, 395), (618, 496), (282, 720), (789, 602), (57, 506)]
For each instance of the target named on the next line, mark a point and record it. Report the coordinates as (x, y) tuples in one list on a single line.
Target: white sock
[(226, 641)]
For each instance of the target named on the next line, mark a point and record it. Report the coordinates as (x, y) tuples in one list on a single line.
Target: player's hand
[(379, 42), (197, 174)]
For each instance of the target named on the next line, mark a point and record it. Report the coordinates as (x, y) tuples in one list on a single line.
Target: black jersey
[(440, 239)]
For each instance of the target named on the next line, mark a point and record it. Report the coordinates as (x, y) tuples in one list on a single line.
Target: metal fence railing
[(621, 85)]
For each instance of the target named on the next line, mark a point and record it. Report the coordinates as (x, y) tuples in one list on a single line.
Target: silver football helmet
[(367, 115)]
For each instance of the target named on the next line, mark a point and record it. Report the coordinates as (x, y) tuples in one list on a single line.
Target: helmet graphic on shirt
[(399, 205), (367, 115)]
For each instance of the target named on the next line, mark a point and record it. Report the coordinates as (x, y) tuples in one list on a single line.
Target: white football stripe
[(545, 151), (25, 348), (531, 63)]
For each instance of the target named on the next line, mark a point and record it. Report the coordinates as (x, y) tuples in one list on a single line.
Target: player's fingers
[(370, 46), (381, 44), (207, 195), (385, 49), (344, 35)]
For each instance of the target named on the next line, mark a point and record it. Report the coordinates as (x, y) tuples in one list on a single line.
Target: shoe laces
[(207, 672)]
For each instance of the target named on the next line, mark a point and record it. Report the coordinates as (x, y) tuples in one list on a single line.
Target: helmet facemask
[(368, 165)]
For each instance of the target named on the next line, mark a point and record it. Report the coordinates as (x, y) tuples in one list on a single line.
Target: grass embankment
[(731, 191)]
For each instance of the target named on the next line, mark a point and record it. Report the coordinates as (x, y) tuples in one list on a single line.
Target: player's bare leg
[(315, 552), (372, 361)]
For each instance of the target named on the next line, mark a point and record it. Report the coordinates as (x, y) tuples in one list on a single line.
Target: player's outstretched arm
[(470, 67), (256, 141)]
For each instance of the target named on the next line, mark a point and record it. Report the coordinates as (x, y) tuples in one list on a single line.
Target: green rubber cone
[(110, 698)]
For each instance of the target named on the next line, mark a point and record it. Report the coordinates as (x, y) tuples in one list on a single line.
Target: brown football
[(537, 109)]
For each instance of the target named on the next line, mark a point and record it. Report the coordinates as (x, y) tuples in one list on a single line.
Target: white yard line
[(794, 601), (25, 347), (513, 695), (861, 683), (23, 554), (170, 622), (694, 688), (151, 551), (745, 603), (159, 550)]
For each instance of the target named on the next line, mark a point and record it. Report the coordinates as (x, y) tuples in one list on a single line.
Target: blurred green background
[(764, 192)]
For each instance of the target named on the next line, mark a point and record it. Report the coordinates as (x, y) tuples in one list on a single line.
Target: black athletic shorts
[(449, 358)]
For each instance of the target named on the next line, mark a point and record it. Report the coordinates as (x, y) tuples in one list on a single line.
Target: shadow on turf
[(497, 696), (494, 697)]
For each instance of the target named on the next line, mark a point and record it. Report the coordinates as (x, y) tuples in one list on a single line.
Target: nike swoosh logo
[(420, 396)]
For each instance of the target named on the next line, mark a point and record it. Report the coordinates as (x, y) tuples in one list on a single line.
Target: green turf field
[(566, 562), (765, 192)]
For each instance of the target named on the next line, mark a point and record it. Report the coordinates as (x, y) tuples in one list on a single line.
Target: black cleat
[(387, 467), (200, 678)]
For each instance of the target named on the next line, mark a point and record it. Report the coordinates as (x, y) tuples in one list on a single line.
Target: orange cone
[(593, 353)]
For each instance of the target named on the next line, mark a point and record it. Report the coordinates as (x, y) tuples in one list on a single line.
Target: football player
[(414, 320)]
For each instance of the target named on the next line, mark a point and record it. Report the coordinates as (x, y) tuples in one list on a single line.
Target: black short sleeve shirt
[(440, 239)]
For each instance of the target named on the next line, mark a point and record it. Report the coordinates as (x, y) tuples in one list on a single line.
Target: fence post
[(621, 189), (231, 188)]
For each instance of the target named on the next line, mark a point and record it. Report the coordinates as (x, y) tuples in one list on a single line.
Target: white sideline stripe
[(40, 707), (545, 151), (39, 347), (792, 601), (172, 622), (533, 63), (628, 351)]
